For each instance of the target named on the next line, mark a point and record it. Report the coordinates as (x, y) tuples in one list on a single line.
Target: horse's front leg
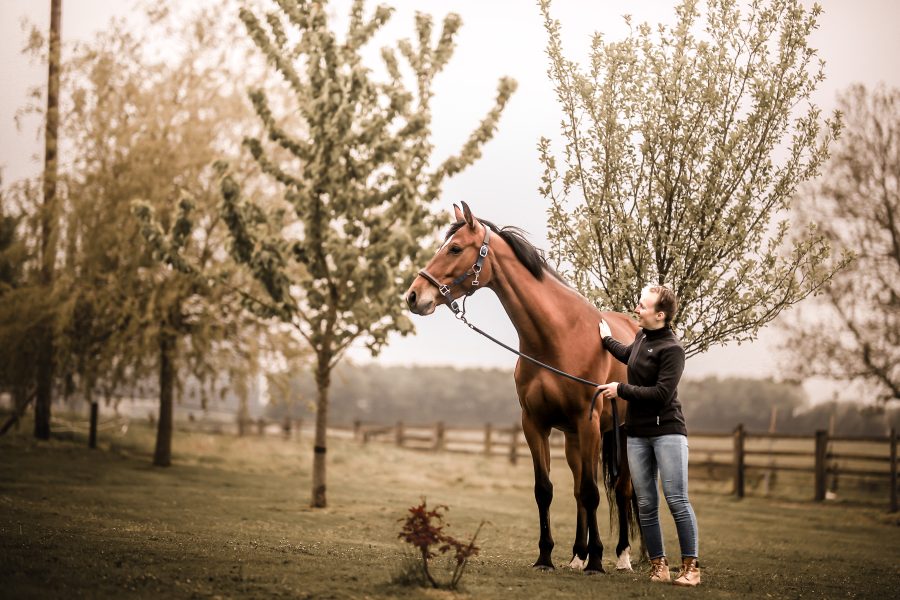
[(539, 443), (579, 547), (589, 445)]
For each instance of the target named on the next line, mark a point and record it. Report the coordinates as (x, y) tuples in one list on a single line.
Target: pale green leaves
[(354, 166), (682, 145)]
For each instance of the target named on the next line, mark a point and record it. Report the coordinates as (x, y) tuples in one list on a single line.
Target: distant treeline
[(473, 397)]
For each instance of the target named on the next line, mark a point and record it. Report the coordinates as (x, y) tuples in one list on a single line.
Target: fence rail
[(819, 461)]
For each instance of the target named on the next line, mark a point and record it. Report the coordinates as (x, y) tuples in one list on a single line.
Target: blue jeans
[(667, 454)]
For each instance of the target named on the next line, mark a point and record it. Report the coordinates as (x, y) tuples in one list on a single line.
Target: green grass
[(231, 518)]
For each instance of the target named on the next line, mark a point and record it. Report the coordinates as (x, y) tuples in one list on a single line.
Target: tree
[(682, 147), (333, 253), (148, 128), (856, 320)]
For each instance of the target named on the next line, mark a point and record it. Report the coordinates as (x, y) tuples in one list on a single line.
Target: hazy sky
[(858, 40)]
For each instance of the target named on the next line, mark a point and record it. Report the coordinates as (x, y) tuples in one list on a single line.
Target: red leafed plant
[(424, 530)]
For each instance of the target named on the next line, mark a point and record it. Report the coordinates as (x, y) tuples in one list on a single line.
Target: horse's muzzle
[(420, 302)]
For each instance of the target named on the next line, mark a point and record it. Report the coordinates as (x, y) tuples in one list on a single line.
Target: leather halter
[(444, 290)]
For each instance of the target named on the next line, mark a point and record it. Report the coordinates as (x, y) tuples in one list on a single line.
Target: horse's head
[(459, 267)]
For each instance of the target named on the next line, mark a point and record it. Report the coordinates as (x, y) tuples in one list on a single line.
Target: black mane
[(531, 257)]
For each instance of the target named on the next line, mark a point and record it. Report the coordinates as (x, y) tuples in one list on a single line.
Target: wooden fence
[(735, 455), (819, 455)]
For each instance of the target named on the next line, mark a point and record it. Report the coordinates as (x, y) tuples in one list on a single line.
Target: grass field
[(231, 518)]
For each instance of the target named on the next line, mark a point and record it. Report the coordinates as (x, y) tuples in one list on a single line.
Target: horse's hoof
[(594, 565), (577, 564), (544, 568), (624, 562)]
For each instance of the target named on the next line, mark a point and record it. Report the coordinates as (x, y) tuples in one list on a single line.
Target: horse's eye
[(455, 249)]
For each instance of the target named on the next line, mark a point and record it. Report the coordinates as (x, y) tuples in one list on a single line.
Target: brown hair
[(666, 301)]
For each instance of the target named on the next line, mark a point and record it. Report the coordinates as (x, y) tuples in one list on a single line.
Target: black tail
[(617, 481), (610, 456)]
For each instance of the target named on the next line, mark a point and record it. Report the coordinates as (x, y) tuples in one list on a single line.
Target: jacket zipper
[(657, 419)]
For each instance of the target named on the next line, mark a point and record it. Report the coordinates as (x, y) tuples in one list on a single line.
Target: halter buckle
[(444, 290), (484, 251), (476, 268)]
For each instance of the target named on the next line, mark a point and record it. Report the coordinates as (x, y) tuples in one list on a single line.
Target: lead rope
[(461, 316)]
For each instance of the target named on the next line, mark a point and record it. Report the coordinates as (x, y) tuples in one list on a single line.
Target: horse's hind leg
[(623, 504), (624, 493), (579, 548), (626, 502), (539, 444), (589, 445)]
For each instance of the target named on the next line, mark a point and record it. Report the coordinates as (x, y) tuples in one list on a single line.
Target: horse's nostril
[(411, 299)]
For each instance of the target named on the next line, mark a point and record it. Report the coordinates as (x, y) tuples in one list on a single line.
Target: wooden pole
[(92, 437), (821, 465), (400, 433), (514, 444), (487, 439), (739, 461), (439, 435), (46, 364), (893, 470)]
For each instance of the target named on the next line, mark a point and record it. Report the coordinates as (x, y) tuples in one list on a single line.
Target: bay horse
[(556, 325)]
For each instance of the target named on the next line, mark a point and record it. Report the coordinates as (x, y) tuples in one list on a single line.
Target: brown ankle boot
[(689, 576), (659, 570)]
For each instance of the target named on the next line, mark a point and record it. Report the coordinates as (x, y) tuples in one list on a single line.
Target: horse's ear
[(467, 215), (458, 213)]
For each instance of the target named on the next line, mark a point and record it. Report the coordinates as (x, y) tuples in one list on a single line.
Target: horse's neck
[(542, 311)]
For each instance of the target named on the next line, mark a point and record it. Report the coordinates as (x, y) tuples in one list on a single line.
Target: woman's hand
[(609, 391), (604, 329)]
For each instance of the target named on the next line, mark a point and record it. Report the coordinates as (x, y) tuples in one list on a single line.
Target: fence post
[(832, 464), (514, 444), (261, 426), (739, 461), (821, 464), (769, 475), (95, 415), (487, 439), (439, 435), (400, 433), (357, 427), (893, 470)]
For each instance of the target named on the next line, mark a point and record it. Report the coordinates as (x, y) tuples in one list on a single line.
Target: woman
[(654, 423)]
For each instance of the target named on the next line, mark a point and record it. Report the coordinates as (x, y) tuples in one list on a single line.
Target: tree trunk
[(162, 457), (44, 392), (46, 366), (323, 381)]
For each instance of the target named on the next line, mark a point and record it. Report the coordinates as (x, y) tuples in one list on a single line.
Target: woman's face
[(646, 312)]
